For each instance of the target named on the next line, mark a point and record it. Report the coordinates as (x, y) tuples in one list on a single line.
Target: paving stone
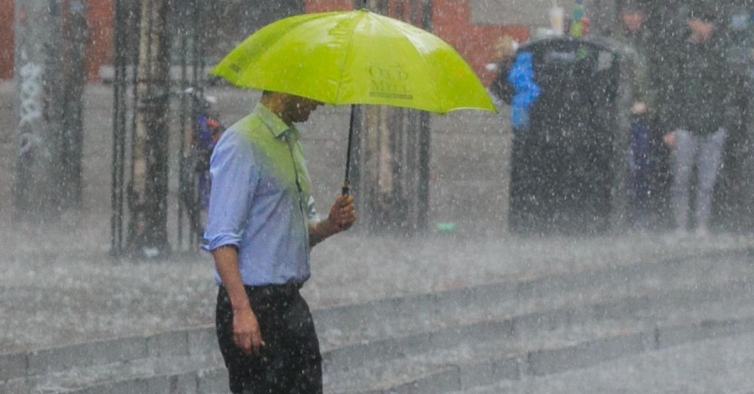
[(721, 365), (187, 383), (169, 344), (202, 342), (444, 380), (100, 352), (15, 386), (213, 381), (13, 366), (158, 385), (666, 337), (549, 361)]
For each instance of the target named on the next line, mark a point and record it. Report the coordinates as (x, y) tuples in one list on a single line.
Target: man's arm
[(246, 334), (233, 180), (341, 217)]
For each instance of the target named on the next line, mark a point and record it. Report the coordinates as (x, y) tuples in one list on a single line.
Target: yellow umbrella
[(355, 57)]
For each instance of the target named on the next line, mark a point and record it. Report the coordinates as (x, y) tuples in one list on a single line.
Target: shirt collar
[(276, 125)]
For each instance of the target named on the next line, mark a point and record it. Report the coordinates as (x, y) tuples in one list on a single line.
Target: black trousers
[(290, 362)]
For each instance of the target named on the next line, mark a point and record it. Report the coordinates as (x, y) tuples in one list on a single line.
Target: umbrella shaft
[(346, 183)]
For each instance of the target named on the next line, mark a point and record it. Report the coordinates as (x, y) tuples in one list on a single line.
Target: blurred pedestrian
[(260, 229), (525, 90), (514, 84), (505, 53), (634, 41), (693, 113)]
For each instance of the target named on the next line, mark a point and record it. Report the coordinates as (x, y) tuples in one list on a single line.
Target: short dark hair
[(630, 7), (703, 11)]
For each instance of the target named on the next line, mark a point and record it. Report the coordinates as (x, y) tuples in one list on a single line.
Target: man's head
[(632, 15), (290, 108), (701, 21)]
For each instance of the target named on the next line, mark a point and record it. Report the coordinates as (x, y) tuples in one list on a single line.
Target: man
[(635, 43), (696, 100), (261, 226)]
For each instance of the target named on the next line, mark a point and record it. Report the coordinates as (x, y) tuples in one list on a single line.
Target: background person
[(695, 102), (634, 40), (505, 53)]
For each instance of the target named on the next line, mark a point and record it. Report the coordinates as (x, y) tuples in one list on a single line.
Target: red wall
[(6, 39), (328, 5), (100, 50), (451, 21)]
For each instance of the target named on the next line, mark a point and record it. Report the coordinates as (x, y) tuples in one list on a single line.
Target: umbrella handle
[(346, 188)]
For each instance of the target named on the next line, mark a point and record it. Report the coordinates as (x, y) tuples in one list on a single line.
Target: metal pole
[(75, 35), (119, 125), (148, 185), (425, 140), (196, 83), (38, 109), (184, 115), (135, 43)]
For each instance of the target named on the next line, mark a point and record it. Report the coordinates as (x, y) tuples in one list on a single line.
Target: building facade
[(463, 23)]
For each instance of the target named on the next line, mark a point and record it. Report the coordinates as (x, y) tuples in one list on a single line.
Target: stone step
[(669, 303), (714, 365), (431, 377), (358, 361), (541, 302), (474, 361), (354, 324)]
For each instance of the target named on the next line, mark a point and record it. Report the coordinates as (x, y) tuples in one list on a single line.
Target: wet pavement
[(711, 366), (69, 290), (59, 285)]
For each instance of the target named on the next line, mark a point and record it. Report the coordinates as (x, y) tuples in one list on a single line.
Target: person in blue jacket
[(526, 90)]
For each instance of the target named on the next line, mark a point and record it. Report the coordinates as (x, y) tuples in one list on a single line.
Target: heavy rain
[(548, 196)]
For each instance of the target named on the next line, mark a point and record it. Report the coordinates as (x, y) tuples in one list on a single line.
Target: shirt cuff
[(221, 240)]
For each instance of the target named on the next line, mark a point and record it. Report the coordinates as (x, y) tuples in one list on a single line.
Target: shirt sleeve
[(310, 211), (234, 176)]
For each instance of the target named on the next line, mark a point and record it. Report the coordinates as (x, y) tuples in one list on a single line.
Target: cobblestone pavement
[(717, 366)]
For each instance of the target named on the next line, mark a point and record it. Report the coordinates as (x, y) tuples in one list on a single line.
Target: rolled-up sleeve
[(311, 213), (234, 176)]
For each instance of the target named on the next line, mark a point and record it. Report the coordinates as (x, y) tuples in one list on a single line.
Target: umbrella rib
[(443, 110), (343, 62), (446, 107)]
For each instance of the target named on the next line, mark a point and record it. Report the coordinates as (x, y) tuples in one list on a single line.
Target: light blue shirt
[(260, 200)]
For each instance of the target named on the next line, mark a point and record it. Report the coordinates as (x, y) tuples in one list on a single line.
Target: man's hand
[(246, 334), (669, 139), (342, 214), (639, 108)]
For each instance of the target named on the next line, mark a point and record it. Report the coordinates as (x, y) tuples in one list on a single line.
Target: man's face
[(299, 108), (701, 28), (633, 20)]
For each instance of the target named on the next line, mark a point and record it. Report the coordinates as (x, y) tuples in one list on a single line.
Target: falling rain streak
[(592, 236)]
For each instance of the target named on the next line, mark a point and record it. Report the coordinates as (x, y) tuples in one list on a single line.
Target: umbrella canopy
[(355, 57)]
